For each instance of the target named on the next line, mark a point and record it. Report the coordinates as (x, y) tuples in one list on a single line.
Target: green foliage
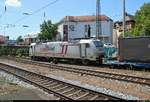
[(12, 51), (48, 31), (19, 39), (142, 18)]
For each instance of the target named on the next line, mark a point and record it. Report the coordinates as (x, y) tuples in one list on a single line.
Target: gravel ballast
[(24, 91), (122, 89)]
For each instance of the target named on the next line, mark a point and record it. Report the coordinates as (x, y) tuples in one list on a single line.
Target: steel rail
[(114, 76), (63, 90)]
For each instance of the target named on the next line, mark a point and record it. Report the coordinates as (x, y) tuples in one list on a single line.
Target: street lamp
[(26, 13), (25, 26)]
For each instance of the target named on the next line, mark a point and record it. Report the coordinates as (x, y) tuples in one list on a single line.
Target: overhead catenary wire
[(23, 18), (38, 10)]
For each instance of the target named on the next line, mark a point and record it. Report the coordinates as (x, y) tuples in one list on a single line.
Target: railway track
[(119, 77), (63, 90)]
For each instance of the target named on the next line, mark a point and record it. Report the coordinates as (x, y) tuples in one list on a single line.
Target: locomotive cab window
[(98, 44), (87, 45)]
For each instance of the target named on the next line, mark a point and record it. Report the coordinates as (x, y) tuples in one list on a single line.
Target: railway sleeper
[(43, 81), (94, 97), (88, 97), (53, 84), (76, 92), (47, 83), (56, 86), (62, 89), (68, 90), (82, 96)]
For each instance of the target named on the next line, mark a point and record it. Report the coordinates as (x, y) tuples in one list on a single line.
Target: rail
[(114, 76), (63, 90)]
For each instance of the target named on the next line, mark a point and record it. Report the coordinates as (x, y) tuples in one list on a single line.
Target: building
[(3, 39), (30, 38), (72, 27), (118, 27), (11, 42)]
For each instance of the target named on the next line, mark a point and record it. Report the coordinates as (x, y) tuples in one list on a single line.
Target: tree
[(142, 18), (19, 39), (48, 31)]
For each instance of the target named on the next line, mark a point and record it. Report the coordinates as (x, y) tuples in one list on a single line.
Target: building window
[(89, 31), (72, 27), (86, 28)]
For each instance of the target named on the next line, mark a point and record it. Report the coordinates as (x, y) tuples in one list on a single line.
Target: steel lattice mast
[(124, 21), (98, 20)]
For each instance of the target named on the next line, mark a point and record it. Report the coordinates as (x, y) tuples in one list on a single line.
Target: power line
[(45, 6), (38, 10)]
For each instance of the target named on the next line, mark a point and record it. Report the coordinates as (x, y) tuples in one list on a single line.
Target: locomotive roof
[(61, 42), (88, 40)]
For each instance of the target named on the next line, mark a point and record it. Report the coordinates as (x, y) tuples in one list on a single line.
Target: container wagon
[(134, 49)]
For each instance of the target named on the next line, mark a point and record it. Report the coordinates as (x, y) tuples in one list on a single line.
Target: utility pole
[(124, 21), (98, 20)]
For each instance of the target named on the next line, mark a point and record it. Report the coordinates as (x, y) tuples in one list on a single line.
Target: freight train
[(83, 50)]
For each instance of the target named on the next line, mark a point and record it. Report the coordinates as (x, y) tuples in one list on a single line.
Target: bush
[(14, 51)]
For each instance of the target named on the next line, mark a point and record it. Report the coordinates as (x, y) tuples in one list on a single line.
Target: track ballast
[(63, 90), (114, 76)]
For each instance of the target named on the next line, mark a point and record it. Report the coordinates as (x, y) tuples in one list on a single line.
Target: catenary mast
[(98, 20), (124, 22)]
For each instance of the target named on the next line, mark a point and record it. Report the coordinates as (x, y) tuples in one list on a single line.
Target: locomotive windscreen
[(98, 43)]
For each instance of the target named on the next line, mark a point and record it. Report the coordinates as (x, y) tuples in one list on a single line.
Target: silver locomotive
[(84, 50)]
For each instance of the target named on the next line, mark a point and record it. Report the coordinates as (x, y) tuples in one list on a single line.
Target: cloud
[(13, 3)]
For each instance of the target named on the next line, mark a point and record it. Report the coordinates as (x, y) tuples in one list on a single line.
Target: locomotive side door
[(83, 50), (31, 50)]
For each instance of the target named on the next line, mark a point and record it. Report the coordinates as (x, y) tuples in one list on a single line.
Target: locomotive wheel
[(55, 61), (73, 61), (85, 61), (32, 58), (50, 60), (101, 61)]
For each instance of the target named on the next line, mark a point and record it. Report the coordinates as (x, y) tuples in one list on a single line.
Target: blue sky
[(55, 12)]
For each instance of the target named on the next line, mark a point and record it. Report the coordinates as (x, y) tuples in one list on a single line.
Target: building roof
[(31, 36), (84, 18), (129, 17), (1, 36)]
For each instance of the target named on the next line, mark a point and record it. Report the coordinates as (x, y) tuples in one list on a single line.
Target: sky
[(12, 16)]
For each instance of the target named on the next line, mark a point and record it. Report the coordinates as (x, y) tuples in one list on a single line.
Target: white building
[(72, 27), (30, 38)]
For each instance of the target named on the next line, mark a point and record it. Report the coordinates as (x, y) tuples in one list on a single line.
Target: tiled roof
[(84, 18)]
